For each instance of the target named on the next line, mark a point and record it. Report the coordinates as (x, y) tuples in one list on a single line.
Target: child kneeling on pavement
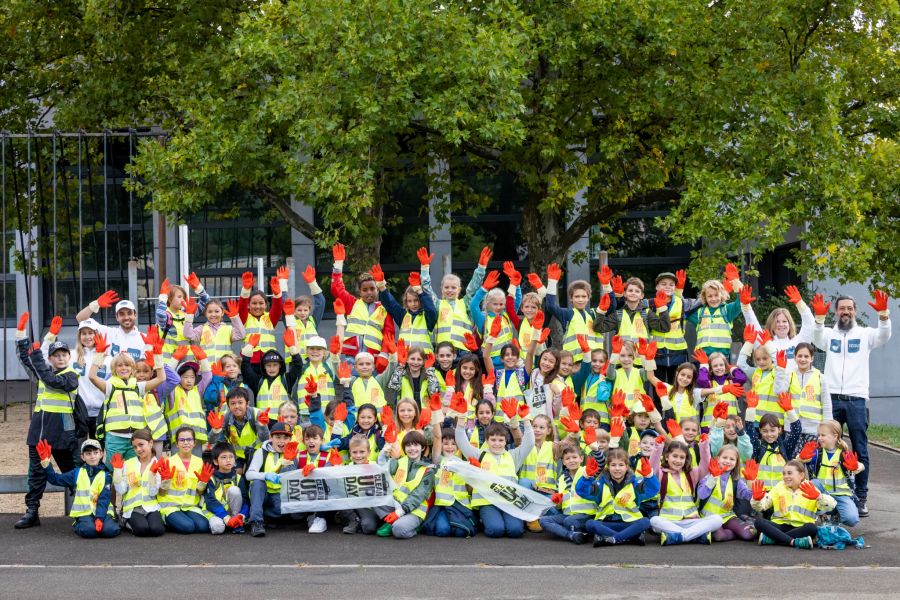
[(226, 495), (414, 477)]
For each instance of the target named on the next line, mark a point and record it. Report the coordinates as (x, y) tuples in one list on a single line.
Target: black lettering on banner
[(364, 486), (305, 489), (511, 495)]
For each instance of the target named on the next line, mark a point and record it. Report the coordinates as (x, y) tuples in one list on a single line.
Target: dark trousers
[(851, 410), (146, 525), (783, 534), (37, 478), (619, 530)]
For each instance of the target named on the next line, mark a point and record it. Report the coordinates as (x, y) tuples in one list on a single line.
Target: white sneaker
[(318, 525)]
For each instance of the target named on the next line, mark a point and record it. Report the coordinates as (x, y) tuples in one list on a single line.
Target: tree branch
[(283, 206)]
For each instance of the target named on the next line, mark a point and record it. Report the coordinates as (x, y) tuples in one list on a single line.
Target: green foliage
[(746, 120)]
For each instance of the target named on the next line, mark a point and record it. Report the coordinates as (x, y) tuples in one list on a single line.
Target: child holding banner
[(278, 455), (414, 478), (450, 516)]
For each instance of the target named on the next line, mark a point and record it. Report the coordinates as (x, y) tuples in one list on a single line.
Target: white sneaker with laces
[(318, 525)]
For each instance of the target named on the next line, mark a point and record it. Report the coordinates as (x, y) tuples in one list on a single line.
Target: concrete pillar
[(303, 249), (441, 243), (580, 270)]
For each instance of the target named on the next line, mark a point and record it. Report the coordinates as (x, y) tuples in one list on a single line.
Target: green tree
[(744, 119)]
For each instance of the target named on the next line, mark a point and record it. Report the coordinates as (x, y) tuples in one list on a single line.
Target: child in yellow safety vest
[(832, 468), (226, 497), (366, 426), (273, 385), (258, 318), (243, 427), (724, 493), (137, 482), (635, 317), (569, 520), (468, 380), (772, 446), (172, 311), (304, 313), (216, 337), (673, 348), (713, 318), (616, 495), (417, 316), (794, 502), (450, 515), (91, 508), (414, 479), (679, 519), (276, 456), (366, 387), (512, 379), (226, 375), (488, 310), (718, 382), (770, 377), (415, 376), (453, 320), (184, 478), (408, 418), (183, 405), (682, 396), (810, 390), (579, 318), (500, 461), (624, 374), (127, 405)]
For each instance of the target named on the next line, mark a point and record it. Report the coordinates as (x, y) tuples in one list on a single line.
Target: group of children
[(643, 436)]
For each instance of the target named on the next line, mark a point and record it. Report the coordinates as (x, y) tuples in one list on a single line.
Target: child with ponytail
[(723, 490)]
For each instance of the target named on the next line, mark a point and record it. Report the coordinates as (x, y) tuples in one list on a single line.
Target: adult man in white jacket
[(847, 370)]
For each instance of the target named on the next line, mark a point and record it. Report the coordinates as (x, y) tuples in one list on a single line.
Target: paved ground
[(290, 563)]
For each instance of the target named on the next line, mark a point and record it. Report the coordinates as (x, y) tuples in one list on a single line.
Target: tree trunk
[(543, 231)]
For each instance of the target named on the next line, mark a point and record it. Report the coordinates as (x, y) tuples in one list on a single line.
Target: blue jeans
[(851, 410), (846, 507), (263, 505), (562, 525), (437, 523), (185, 521), (84, 527), (618, 530), (497, 523)]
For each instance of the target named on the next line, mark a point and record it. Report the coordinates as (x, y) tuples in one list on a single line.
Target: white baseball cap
[(89, 324), (316, 342), (124, 304)]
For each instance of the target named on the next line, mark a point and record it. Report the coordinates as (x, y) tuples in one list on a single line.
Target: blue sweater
[(69, 480)]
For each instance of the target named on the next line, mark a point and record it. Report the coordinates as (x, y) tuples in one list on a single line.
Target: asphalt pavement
[(289, 562)]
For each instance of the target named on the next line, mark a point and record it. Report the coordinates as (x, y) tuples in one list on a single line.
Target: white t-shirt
[(87, 391), (131, 342)]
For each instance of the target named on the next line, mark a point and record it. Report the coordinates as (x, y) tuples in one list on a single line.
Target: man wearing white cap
[(126, 336)]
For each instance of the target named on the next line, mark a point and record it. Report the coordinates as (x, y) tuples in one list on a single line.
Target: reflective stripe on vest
[(808, 396), (504, 337), (713, 329), (450, 487), (272, 394), (679, 501), (174, 334), (504, 467), (153, 415), (263, 326), (717, 504), (414, 331), (124, 409), (368, 327), (711, 402), (831, 474), (406, 487), (52, 400), (572, 503), (672, 340), (764, 386), (87, 492), (216, 344), (791, 507), (682, 404), (581, 323), (771, 468), (610, 504), (182, 493), (630, 383), (453, 323), (539, 467)]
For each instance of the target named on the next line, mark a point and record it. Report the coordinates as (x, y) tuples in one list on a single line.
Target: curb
[(884, 447)]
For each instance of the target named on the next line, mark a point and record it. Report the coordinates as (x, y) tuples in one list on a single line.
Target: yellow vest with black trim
[(421, 395), (764, 386), (580, 324), (138, 493), (368, 327), (808, 398), (506, 335), (710, 404), (449, 487), (52, 400), (632, 384), (503, 466), (87, 491), (720, 502), (771, 467), (123, 408), (175, 334), (713, 329), (272, 393), (572, 503), (792, 507), (216, 344), (589, 396), (539, 467), (453, 323), (610, 505), (182, 494), (672, 340), (367, 391), (406, 486), (187, 411), (679, 501), (831, 474), (264, 327), (414, 331)]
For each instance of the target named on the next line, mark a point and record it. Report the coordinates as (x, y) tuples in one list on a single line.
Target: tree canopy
[(744, 120)]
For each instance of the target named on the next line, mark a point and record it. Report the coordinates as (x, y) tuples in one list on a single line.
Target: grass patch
[(885, 434)]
